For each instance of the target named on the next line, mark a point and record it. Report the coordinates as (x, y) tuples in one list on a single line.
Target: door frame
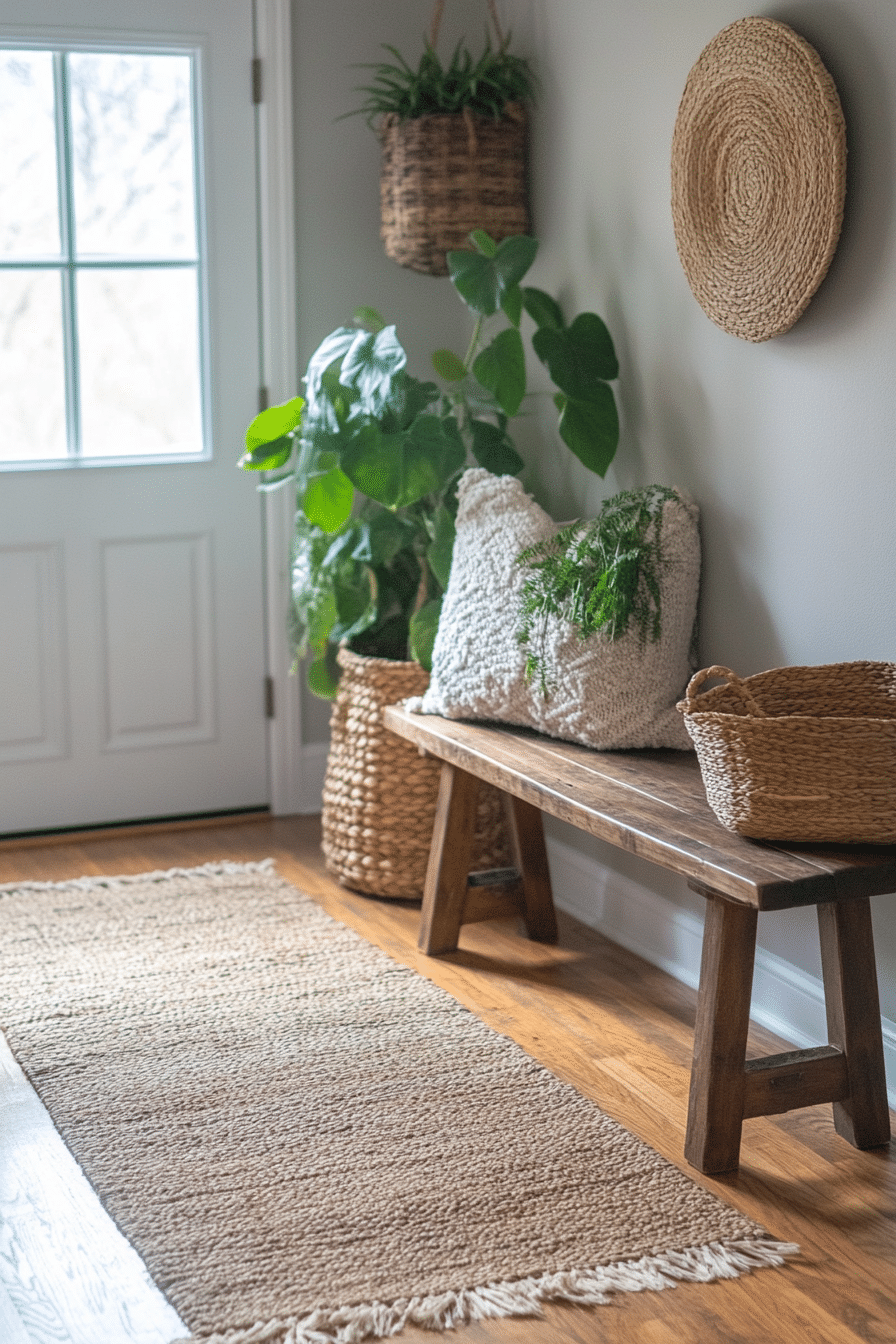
[(295, 770)]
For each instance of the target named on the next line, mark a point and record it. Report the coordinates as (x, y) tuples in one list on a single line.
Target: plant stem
[(474, 341)]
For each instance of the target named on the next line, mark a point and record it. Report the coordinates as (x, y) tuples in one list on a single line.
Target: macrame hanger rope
[(437, 10), (435, 22), (493, 10)]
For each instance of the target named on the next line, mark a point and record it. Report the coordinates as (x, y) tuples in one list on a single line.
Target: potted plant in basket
[(454, 142), (374, 455)]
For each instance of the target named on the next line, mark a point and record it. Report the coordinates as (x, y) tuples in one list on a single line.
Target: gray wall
[(787, 446)]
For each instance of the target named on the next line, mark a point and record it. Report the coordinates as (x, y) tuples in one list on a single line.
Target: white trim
[(786, 1000), (274, 47), (289, 791)]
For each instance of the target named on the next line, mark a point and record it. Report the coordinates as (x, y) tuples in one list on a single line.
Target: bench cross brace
[(726, 1088)]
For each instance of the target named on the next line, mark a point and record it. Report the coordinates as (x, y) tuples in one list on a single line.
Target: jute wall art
[(758, 177), (308, 1142)]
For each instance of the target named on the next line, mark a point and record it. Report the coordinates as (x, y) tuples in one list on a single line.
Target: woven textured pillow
[(606, 694)]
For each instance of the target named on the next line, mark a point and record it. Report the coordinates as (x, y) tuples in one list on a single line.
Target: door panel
[(131, 603), (34, 721)]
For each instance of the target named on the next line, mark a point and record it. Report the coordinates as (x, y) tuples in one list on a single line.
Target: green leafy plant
[(484, 86), (601, 577), (375, 454)]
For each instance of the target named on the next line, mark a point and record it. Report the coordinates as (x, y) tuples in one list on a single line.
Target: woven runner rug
[(305, 1140)]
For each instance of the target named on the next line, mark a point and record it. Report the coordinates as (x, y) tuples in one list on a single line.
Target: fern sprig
[(602, 577)]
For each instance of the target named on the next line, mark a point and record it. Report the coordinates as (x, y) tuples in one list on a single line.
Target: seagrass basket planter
[(799, 753), (380, 794), (445, 175)]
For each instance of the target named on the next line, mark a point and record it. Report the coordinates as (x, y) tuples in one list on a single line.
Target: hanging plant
[(455, 146)]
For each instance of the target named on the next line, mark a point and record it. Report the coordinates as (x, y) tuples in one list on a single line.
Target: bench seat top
[(651, 803)]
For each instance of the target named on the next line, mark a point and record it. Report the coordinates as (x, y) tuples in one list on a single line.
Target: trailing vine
[(602, 577)]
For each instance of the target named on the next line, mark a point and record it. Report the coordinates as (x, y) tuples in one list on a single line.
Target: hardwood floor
[(601, 1018)]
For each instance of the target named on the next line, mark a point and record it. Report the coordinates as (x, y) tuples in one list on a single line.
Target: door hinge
[(269, 711), (256, 80), (264, 399)]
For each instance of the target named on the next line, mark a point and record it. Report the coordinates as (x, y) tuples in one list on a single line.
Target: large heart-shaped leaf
[(328, 500), (482, 281), (424, 628), (274, 423), (591, 429), (436, 439), (441, 547), (512, 304), (320, 615), (513, 258), (449, 366), (369, 318), (323, 676), (334, 398), (409, 398), (494, 450), (543, 310), (578, 358), (370, 365), (355, 604), (269, 456), (330, 350), (483, 242), (501, 369), (380, 538), (398, 469)]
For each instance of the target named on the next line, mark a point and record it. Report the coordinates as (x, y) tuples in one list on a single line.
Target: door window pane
[(138, 336), (29, 195), (101, 331), (132, 155), (32, 386)]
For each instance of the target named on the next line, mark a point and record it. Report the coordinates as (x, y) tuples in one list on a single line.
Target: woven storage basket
[(444, 176), (380, 793), (799, 753)]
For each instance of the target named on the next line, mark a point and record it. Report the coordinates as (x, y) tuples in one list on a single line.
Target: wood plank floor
[(599, 1017)]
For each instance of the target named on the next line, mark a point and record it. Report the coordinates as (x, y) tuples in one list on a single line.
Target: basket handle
[(734, 681), (436, 21)]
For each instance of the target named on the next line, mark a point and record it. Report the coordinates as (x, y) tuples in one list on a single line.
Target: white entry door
[(131, 593)]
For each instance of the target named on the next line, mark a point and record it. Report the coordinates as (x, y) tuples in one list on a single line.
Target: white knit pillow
[(607, 694)]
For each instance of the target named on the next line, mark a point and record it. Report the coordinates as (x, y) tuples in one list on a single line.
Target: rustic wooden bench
[(653, 804)]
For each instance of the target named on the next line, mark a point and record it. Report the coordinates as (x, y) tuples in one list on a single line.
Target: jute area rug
[(308, 1142)]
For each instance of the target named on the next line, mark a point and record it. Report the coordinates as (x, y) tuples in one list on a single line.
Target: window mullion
[(67, 272)]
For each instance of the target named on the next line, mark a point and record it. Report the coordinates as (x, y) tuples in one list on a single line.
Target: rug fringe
[(445, 1311), (224, 868)]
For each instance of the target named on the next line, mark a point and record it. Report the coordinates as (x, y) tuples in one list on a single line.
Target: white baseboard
[(786, 1000)]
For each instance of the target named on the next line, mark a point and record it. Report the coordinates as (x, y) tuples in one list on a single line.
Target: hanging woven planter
[(444, 176), (447, 172)]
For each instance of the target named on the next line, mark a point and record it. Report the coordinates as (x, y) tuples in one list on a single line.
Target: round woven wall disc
[(758, 177)]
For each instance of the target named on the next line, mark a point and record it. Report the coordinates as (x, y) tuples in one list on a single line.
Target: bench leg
[(716, 1103), (445, 889), (531, 861), (854, 1025), (448, 899), (849, 1071)]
